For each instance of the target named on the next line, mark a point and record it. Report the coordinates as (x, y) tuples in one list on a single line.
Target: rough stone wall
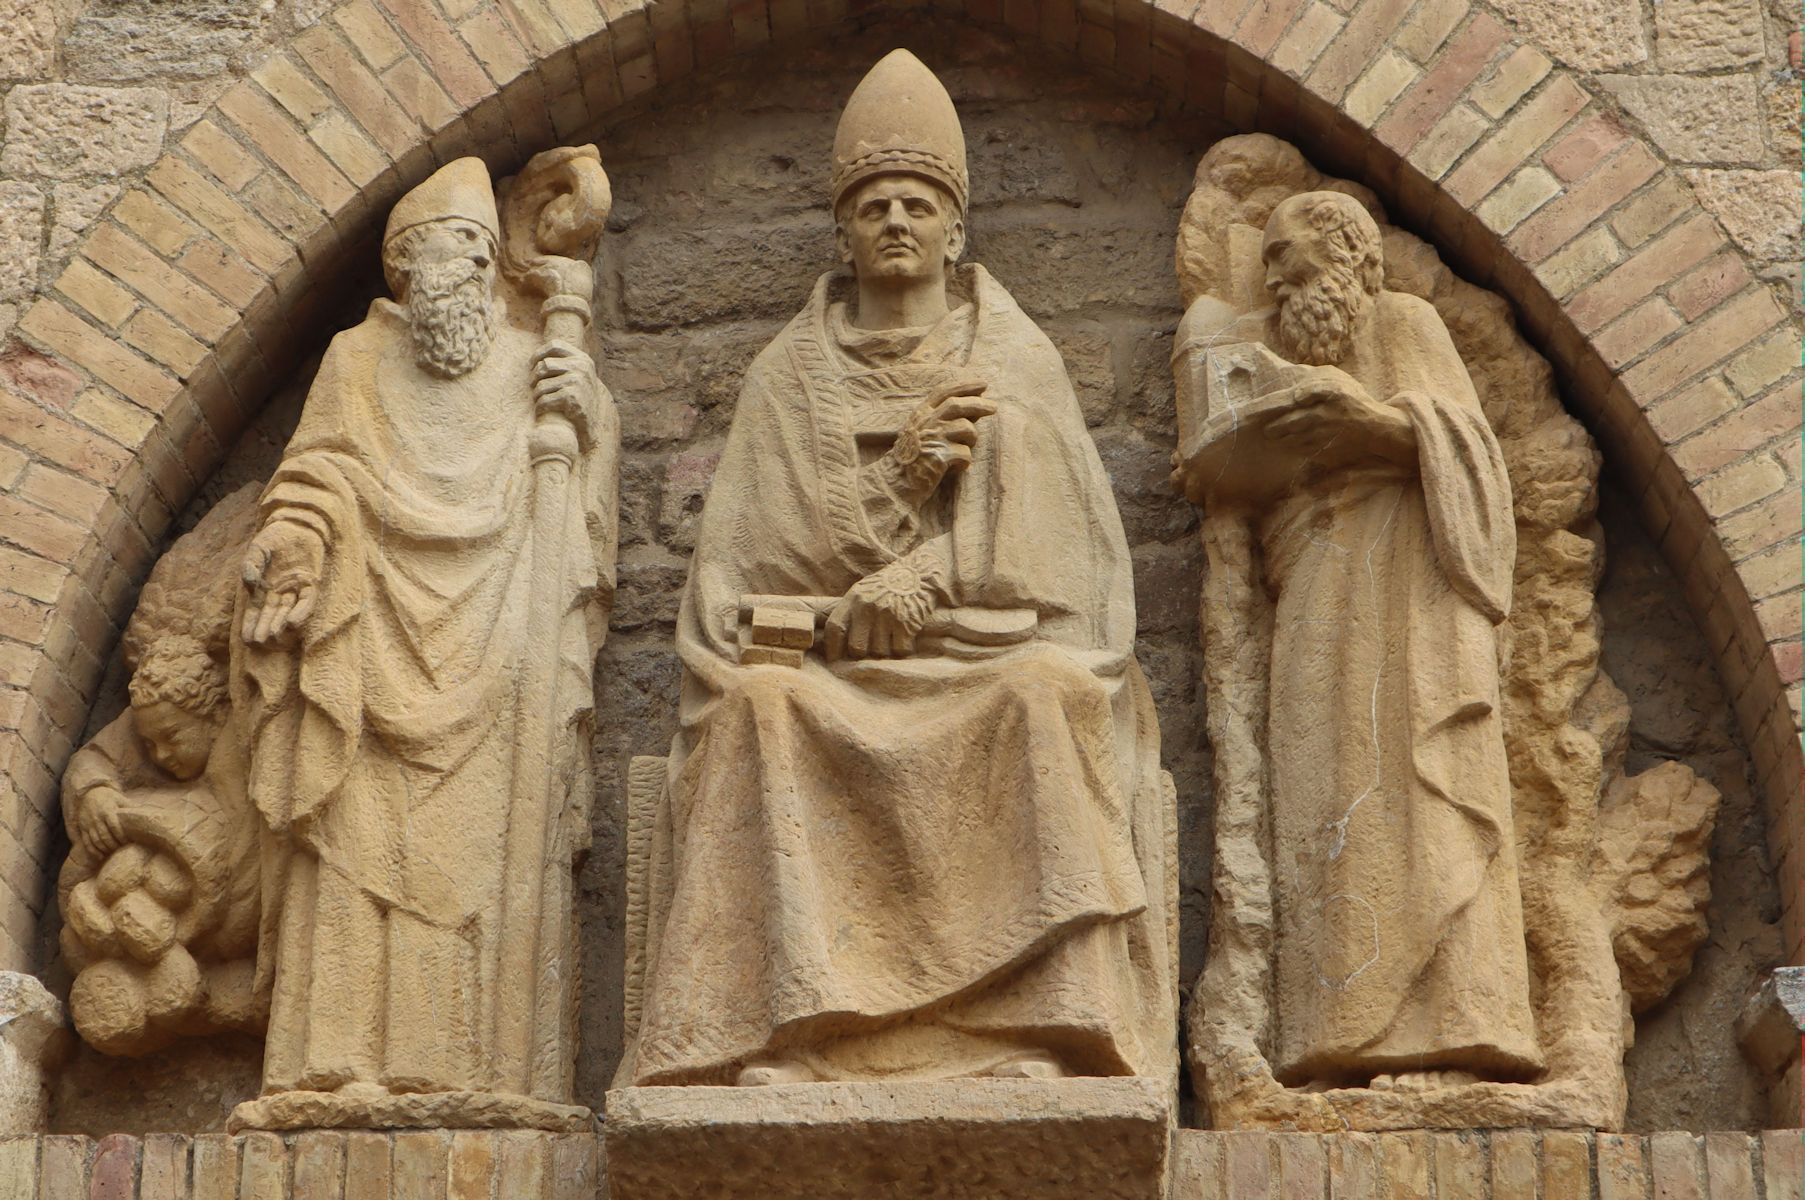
[(719, 231)]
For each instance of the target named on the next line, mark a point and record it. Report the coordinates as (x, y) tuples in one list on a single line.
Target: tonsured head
[(1322, 254)]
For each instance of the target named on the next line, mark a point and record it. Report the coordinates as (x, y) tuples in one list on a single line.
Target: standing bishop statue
[(915, 819), (389, 630)]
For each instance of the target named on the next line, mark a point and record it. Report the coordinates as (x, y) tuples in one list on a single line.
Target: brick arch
[(194, 297)]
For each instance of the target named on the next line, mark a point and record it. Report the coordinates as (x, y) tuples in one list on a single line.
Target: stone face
[(62, 131), (1716, 119), (1759, 209), (1003, 1139), (74, 207)]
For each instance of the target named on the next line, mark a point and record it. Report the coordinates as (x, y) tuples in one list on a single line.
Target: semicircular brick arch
[(200, 289)]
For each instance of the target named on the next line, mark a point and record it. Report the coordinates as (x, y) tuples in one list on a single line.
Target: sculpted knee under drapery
[(913, 825), (1422, 854)]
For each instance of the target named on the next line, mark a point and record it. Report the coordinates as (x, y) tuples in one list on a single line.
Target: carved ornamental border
[(228, 246)]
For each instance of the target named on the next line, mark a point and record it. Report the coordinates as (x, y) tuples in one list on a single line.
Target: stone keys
[(321, 818)]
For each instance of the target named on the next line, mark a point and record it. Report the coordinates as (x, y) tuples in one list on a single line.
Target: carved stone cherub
[(160, 890)]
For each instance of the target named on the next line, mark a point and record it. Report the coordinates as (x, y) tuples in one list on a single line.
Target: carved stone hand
[(1338, 413), (282, 570), (880, 615), (565, 382), (937, 439)]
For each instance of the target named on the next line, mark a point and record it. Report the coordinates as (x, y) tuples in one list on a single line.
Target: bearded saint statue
[(1386, 538), (384, 633), (914, 821)]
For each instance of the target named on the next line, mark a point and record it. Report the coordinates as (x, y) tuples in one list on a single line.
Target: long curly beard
[(451, 317), (1317, 320)]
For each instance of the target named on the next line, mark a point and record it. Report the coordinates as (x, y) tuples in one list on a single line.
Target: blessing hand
[(281, 569), (937, 439)]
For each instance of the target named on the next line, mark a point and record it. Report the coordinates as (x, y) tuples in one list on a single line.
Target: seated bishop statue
[(915, 824)]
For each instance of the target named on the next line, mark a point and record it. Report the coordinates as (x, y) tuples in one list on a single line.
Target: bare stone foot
[(1029, 1066), (1422, 1081), (765, 1074)]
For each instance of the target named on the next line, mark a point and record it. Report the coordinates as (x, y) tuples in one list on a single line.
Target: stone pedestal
[(1075, 1139)]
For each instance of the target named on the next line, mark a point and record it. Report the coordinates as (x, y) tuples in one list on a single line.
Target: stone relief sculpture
[(913, 825), (1426, 853), (346, 796), (159, 893)]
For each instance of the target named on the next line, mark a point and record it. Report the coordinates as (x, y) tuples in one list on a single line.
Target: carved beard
[(1317, 320), (450, 317)]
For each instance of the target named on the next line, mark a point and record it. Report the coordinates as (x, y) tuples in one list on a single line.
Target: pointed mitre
[(900, 120), (457, 189)]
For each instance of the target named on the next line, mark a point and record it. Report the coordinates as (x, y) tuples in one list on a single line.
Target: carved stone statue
[(159, 893), (1379, 772), (423, 601), (914, 825)]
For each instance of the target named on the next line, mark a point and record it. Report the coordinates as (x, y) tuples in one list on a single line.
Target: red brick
[(82, 344), (1559, 101), (452, 64), (1435, 93), (1630, 338), (1622, 1174), (1645, 273), (1556, 224), (361, 93), (1589, 144), (120, 254), (114, 1175), (1709, 285), (277, 136), (1355, 47), (219, 213), (1265, 23), (1704, 345)]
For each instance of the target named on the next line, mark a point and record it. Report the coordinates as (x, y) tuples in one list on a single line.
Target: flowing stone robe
[(384, 743), (913, 867), (1401, 931)]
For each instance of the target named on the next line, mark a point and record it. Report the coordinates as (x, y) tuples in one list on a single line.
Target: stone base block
[(419, 1110), (1069, 1139)]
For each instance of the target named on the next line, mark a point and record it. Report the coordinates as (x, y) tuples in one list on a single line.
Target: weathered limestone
[(1069, 1139), (426, 591), (1428, 866), (160, 892), (33, 1041), (959, 864)]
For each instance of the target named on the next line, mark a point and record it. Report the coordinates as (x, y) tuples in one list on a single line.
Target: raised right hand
[(937, 439), (282, 569)]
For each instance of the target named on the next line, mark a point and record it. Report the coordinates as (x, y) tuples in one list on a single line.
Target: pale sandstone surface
[(1000, 1139), (190, 39), (62, 131), (29, 50), (1596, 35), (1695, 120), (1605, 859), (33, 1044), (1685, 1070), (1759, 209), (1702, 35), (21, 230), (677, 386)]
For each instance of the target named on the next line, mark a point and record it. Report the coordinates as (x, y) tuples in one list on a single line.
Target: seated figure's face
[(178, 741), (899, 227)]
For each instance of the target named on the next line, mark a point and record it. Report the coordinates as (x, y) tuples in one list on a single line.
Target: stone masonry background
[(719, 230)]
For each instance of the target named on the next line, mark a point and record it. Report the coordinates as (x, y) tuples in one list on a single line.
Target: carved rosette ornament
[(1438, 898)]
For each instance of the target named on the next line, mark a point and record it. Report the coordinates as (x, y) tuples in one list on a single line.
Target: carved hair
[(169, 660), (1347, 232)]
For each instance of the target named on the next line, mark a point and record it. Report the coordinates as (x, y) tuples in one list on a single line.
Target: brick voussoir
[(285, 145)]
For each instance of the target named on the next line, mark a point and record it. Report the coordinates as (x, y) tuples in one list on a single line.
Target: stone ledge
[(1082, 1139), (1017, 1146)]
